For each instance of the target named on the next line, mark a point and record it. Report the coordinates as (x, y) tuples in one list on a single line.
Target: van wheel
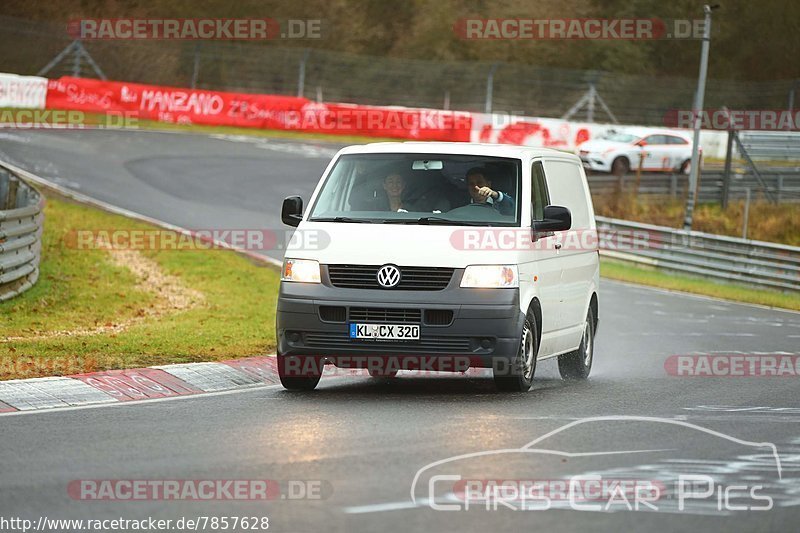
[(517, 375), (686, 167), (578, 364), (620, 166), (296, 374)]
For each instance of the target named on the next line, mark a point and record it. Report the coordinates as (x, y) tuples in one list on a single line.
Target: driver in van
[(481, 192)]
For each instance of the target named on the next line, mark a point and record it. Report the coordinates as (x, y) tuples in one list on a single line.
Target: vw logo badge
[(388, 276)]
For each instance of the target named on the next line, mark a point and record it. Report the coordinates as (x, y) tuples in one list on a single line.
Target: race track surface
[(364, 440)]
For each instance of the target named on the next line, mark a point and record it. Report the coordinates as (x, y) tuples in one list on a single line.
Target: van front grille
[(412, 278), (385, 315)]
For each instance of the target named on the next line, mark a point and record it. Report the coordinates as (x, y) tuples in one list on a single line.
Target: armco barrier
[(21, 218), (757, 263)]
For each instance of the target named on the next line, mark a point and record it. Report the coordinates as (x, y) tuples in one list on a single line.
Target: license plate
[(395, 332)]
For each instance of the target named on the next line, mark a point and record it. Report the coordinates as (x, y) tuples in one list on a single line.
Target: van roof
[(459, 148)]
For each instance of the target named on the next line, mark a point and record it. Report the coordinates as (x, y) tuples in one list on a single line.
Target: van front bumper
[(484, 324)]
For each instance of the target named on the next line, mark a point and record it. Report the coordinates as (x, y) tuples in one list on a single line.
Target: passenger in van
[(481, 192), (394, 185), (392, 195), (383, 195)]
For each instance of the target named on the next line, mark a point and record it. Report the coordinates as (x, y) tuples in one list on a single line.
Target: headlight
[(490, 276), (303, 270)]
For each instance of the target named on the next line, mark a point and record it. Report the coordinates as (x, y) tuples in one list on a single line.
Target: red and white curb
[(137, 384)]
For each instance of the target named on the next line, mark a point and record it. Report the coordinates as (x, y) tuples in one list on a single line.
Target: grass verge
[(96, 309), (642, 275), (766, 222)]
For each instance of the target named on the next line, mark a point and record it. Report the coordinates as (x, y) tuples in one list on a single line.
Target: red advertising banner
[(192, 106)]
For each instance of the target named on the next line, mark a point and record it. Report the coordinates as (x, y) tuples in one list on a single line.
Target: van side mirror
[(292, 211), (556, 218)]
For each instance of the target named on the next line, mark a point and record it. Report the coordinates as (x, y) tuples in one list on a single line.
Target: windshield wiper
[(446, 221), (342, 219)]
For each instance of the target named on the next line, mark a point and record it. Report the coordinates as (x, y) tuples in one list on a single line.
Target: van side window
[(540, 198)]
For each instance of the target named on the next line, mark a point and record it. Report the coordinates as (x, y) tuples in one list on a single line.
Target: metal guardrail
[(21, 218), (772, 145), (757, 263), (784, 185)]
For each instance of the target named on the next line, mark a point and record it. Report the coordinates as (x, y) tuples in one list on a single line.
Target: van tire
[(517, 375), (305, 382), (578, 364)]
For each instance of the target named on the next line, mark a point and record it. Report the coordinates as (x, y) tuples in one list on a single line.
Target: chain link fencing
[(341, 77)]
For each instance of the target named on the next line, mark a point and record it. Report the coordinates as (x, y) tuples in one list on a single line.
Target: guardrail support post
[(673, 185), (639, 173), (11, 198), (780, 188)]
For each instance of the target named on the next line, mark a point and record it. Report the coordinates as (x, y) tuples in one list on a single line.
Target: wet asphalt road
[(364, 440)]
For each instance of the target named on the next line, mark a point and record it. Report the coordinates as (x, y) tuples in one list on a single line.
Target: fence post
[(76, 60), (726, 176), (746, 212), (301, 76), (196, 65), (490, 88), (792, 90), (780, 187), (673, 185)]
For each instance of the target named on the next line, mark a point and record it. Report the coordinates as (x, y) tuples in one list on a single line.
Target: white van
[(441, 256)]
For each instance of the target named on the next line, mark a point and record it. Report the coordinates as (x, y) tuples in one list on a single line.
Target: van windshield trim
[(510, 174)]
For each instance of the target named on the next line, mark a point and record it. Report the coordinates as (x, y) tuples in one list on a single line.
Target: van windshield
[(442, 189)]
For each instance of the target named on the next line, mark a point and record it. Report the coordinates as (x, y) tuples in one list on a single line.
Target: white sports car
[(621, 151)]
